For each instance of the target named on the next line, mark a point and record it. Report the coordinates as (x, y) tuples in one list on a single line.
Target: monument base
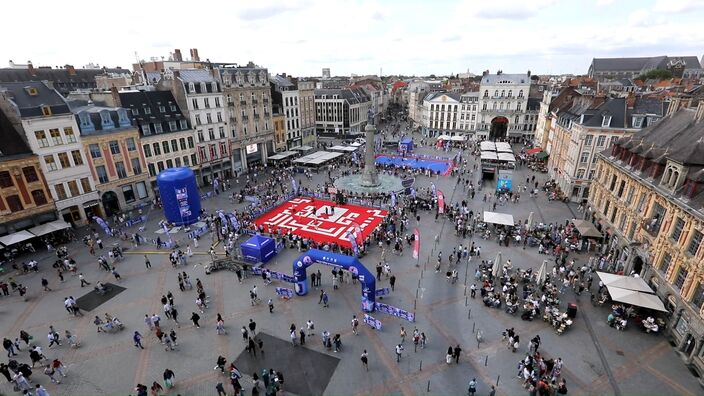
[(356, 184)]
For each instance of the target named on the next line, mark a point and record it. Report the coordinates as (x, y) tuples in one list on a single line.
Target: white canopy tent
[(487, 146), (48, 228), (624, 282), (506, 157), (17, 237), (458, 138), (347, 149), (283, 155), (443, 137), (498, 218), (636, 298), (302, 148), (503, 147), (489, 155)]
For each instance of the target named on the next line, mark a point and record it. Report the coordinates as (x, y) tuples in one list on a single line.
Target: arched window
[(673, 180), (520, 93), (496, 93), (668, 176), (517, 120), (494, 105), (501, 106), (510, 93), (503, 92), (484, 107), (486, 93)]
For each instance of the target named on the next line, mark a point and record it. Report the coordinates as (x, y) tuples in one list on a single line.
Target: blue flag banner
[(275, 275), (102, 225), (373, 323), (383, 292), (284, 292), (398, 312)]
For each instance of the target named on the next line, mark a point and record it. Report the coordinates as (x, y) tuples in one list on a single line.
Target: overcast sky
[(299, 37)]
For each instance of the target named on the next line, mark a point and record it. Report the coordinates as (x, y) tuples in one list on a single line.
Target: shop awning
[(498, 218), (624, 282), (17, 237), (586, 229), (541, 155), (534, 151), (639, 299), (48, 228)]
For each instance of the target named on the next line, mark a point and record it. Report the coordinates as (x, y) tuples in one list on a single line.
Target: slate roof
[(93, 111), (12, 145), (31, 105), (140, 100), (353, 96), (434, 95), (492, 79), (281, 81), (678, 136), (640, 63), (196, 75), (63, 80)]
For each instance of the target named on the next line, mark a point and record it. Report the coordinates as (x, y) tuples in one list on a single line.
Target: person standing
[(270, 303), (402, 333), (251, 347), (365, 360), (293, 337), (302, 336), (45, 284), (392, 281), (40, 390), (147, 263), (195, 318), (220, 388), (311, 327)]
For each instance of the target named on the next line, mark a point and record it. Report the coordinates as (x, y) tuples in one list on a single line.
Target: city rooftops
[(497, 79), (31, 97)]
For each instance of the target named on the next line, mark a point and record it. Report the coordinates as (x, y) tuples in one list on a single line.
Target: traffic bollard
[(465, 304), (421, 366), (473, 324), (486, 360), (428, 385), (497, 379)]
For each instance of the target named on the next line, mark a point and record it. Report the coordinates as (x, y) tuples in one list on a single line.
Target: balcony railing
[(255, 102), (243, 102), (231, 104), (245, 118)]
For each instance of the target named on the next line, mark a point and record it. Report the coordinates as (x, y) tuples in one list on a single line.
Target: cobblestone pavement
[(598, 359)]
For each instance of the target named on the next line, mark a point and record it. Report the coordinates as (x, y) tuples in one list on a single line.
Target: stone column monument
[(370, 176)]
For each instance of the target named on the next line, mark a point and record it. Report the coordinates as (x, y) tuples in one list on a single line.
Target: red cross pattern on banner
[(322, 221)]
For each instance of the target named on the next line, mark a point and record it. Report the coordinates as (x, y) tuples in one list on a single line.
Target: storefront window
[(682, 326), (141, 190), (128, 193)]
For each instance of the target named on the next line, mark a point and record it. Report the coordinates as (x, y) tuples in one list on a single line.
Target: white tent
[(487, 146), (498, 218), (624, 282), (48, 228), (17, 237), (443, 137), (636, 298)]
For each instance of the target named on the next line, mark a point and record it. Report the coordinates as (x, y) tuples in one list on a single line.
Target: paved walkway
[(110, 364)]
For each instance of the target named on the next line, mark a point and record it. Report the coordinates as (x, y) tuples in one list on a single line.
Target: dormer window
[(31, 91), (122, 118), (46, 110), (173, 108), (214, 87), (203, 88), (191, 87), (135, 111), (673, 177), (606, 121), (105, 120), (637, 122), (85, 122), (147, 110)]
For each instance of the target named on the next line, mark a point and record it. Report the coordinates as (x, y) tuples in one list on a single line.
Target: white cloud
[(602, 3), (678, 6), (504, 9)]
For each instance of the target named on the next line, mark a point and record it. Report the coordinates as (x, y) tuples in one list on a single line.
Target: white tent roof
[(506, 157), (56, 225), (490, 146), (17, 237), (458, 138), (624, 282), (443, 137), (302, 148), (489, 155), (636, 298), (282, 155), (498, 218), (343, 148), (503, 147)]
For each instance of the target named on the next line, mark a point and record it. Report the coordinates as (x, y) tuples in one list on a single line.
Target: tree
[(655, 74)]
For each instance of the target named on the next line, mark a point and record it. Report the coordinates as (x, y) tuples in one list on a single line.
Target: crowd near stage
[(321, 221)]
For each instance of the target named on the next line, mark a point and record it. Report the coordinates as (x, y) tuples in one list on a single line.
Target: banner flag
[(416, 244)]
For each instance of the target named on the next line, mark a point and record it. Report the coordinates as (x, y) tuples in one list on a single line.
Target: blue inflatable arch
[(348, 263)]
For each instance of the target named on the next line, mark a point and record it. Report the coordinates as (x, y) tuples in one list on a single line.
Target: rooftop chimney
[(71, 70), (30, 67), (194, 55), (528, 73), (115, 96), (630, 100), (177, 55)]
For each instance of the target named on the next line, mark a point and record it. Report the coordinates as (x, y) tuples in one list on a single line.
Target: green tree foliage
[(656, 74)]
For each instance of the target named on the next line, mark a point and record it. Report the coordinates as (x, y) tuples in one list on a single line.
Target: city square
[(597, 358)]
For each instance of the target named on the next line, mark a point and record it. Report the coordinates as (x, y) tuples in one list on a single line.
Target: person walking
[(147, 263), (60, 368), (40, 391), (220, 326), (270, 303), (251, 347), (169, 377), (293, 337), (252, 327), (365, 360), (456, 353), (51, 373), (221, 389), (402, 333), (311, 327), (137, 338), (392, 281), (302, 336), (195, 318), (45, 284), (325, 300), (472, 387), (399, 350), (83, 279), (355, 324)]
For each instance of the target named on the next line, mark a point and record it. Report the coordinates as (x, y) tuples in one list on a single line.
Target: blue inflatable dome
[(180, 197)]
